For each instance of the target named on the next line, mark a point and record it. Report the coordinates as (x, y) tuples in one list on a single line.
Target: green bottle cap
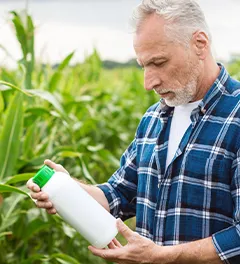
[(43, 176)]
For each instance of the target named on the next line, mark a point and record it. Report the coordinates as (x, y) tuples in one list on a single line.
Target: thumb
[(55, 166), (124, 230)]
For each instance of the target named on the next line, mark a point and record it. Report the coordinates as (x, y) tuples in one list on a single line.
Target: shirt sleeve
[(227, 241), (121, 188)]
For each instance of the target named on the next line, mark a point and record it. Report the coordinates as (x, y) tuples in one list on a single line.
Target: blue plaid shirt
[(198, 195)]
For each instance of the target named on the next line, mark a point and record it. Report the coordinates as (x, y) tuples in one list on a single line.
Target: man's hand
[(41, 197), (138, 250)]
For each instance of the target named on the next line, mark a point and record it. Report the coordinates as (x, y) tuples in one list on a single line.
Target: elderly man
[(180, 176)]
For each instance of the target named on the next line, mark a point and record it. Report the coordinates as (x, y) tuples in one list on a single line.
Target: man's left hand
[(138, 249)]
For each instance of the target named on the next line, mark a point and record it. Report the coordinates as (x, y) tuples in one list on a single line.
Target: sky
[(80, 25)]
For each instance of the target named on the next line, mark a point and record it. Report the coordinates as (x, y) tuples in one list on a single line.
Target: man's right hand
[(41, 197)]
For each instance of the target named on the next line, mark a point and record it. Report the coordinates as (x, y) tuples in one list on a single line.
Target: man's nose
[(151, 80)]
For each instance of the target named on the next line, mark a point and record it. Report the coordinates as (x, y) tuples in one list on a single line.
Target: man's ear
[(200, 43)]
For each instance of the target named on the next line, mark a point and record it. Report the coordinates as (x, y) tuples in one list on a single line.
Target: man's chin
[(173, 103), (170, 103)]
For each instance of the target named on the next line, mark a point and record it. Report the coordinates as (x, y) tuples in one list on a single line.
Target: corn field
[(81, 116)]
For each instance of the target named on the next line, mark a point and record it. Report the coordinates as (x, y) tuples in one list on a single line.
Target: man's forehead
[(152, 49), (152, 38)]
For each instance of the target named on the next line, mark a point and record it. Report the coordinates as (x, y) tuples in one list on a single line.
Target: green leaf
[(30, 43), (105, 154), (86, 173), (8, 222), (57, 75), (38, 111), (69, 154), (10, 136), (64, 257), (51, 99), (20, 32), (30, 139), (15, 87), (95, 148), (1, 102), (34, 259), (19, 178), (8, 76), (66, 61), (5, 234), (10, 211), (30, 53), (68, 230), (35, 227), (8, 188)]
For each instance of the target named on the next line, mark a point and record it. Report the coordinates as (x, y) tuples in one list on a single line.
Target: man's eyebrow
[(153, 59)]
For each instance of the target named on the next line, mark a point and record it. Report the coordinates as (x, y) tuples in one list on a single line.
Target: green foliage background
[(81, 116)]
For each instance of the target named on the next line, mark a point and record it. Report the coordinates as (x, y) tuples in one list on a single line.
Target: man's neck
[(210, 73)]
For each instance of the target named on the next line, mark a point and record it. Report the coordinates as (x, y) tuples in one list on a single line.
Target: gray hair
[(183, 18)]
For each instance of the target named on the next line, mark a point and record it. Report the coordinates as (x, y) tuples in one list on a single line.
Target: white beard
[(183, 95)]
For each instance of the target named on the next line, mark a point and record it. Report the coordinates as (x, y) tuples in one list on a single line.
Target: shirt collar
[(215, 92)]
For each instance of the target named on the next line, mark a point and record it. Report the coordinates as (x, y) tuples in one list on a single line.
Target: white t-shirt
[(180, 122)]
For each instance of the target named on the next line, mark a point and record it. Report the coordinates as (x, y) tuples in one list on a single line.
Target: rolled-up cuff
[(113, 200), (227, 244)]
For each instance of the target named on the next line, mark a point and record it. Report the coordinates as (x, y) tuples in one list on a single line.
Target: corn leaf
[(19, 178), (35, 258), (51, 99), (8, 188), (66, 258), (10, 136), (58, 74), (15, 87), (5, 234), (1, 102), (34, 227), (86, 173), (10, 211), (20, 32)]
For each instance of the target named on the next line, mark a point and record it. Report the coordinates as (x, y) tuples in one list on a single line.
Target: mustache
[(158, 90)]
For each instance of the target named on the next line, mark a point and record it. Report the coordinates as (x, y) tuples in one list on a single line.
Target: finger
[(52, 211), (124, 230), (29, 183), (108, 254), (116, 243), (46, 205), (111, 245), (55, 166), (40, 196), (33, 186), (50, 163)]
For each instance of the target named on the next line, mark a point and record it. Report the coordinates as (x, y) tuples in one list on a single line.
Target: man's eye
[(159, 63)]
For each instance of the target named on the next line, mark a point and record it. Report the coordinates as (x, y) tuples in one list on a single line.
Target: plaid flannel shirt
[(198, 195)]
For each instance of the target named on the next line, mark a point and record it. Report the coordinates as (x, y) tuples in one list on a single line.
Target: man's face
[(171, 69)]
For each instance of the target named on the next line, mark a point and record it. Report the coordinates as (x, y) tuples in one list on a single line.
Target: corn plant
[(81, 116)]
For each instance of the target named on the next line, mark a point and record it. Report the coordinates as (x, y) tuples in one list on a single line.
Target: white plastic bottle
[(77, 207)]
